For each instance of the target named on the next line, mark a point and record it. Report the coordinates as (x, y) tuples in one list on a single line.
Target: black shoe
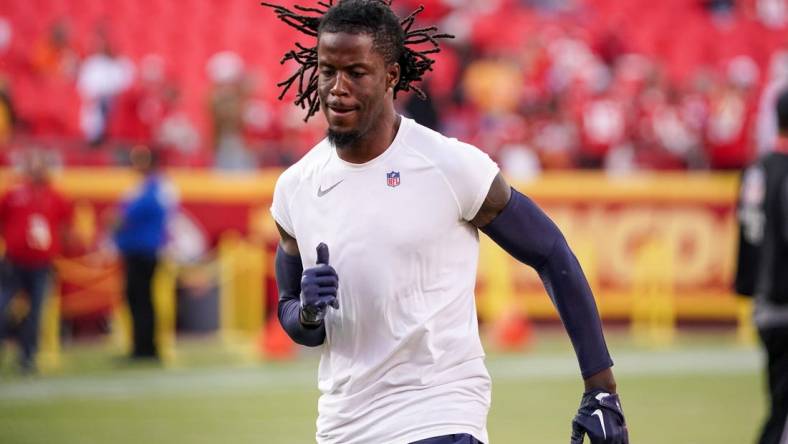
[(145, 356)]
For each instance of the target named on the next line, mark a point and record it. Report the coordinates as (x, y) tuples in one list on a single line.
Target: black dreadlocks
[(392, 38)]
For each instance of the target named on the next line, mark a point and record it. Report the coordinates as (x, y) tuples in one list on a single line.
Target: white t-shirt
[(402, 359)]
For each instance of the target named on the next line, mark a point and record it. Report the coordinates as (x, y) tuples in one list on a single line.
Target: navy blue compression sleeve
[(288, 279), (525, 232)]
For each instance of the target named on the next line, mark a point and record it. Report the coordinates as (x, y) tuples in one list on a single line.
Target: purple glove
[(319, 286), (600, 416)]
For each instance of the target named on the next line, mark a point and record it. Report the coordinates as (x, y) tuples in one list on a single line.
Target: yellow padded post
[(229, 247), (496, 296), (745, 330), (242, 292), (251, 288), (653, 299), (49, 357), (164, 306), (121, 327)]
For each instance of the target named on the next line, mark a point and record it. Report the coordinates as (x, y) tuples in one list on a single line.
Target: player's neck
[(374, 142)]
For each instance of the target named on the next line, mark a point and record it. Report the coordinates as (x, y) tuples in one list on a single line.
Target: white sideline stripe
[(184, 382), (684, 362)]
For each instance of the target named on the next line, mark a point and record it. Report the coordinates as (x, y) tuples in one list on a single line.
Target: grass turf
[(701, 390)]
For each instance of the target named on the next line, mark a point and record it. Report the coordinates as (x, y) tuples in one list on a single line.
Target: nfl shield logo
[(392, 179)]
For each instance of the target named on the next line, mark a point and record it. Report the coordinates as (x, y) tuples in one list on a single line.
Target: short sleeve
[(470, 173), (280, 205)]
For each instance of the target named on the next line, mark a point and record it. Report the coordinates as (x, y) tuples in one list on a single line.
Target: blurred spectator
[(518, 162), (140, 236), (139, 110), (7, 113), (766, 130), (6, 34), (150, 113), (772, 13), (610, 47), (53, 54), (728, 131), (603, 128), (550, 5), (670, 132), (227, 105), (719, 6), (34, 219), (262, 130), (557, 141), (102, 77), (557, 64), (176, 132), (493, 85)]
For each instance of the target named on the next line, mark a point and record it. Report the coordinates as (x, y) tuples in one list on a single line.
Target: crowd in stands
[(539, 84)]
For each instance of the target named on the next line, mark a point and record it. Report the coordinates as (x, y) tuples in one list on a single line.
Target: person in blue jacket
[(140, 236)]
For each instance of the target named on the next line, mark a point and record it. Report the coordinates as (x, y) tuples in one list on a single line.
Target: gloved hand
[(319, 286), (600, 416)]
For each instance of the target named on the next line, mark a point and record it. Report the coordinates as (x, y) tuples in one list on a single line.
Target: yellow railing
[(242, 290), (241, 272)]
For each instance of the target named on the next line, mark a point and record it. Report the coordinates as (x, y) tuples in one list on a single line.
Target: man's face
[(354, 84), (35, 167), (141, 159)]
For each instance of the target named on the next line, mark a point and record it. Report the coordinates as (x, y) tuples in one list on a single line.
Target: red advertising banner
[(671, 234)]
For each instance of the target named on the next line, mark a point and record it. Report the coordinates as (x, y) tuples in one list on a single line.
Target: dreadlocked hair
[(393, 38)]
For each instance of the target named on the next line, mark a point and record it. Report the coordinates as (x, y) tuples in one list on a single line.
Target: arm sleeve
[(525, 232), (469, 172), (288, 278)]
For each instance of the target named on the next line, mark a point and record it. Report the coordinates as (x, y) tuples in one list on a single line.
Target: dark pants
[(139, 294), (775, 341), (34, 282), (462, 438)]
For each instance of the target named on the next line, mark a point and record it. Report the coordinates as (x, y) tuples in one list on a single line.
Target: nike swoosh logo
[(321, 192), (598, 414), (602, 396)]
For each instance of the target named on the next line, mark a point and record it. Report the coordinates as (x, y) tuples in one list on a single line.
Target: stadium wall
[(669, 236)]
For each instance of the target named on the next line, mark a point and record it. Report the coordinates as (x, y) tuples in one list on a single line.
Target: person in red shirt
[(33, 218)]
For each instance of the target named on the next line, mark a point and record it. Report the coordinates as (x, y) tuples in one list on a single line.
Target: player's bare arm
[(496, 200), (287, 242)]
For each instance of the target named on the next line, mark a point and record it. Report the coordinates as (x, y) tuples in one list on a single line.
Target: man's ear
[(392, 75)]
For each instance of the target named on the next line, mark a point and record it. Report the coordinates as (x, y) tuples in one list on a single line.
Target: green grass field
[(704, 389)]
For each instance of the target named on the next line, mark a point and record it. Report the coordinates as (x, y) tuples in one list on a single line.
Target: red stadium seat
[(186, 33)]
